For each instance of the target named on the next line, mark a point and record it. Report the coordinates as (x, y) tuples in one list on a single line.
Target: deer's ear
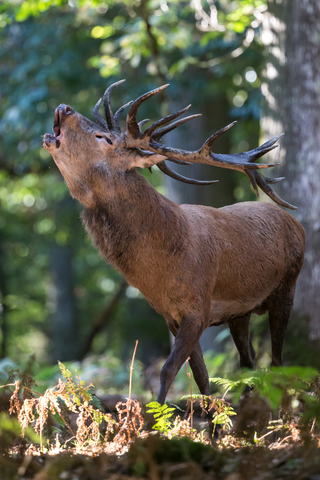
[(143, 159)]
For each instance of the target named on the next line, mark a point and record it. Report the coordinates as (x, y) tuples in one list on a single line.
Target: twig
[(284, 439), (66, 424), (131, 370), (191, 400), (268, 433), (22, 386)]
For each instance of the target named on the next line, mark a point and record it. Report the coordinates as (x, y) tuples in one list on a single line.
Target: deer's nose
[(65, 109)]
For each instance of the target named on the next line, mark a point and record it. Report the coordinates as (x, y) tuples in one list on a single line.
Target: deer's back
[(260, 249)]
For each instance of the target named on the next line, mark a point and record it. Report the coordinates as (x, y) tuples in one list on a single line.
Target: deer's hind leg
[(239, 329), (280, 305)]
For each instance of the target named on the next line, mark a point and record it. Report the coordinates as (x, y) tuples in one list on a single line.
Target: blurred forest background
[(254, 61)]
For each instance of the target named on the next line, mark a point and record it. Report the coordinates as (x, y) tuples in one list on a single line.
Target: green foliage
[(79, 392), (222, 410), (222, 415), (162, 414), (10, 431), (230, 384), (275, 385)]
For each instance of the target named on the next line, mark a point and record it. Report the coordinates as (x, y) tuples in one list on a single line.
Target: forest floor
[(68, 433), (157, 458)]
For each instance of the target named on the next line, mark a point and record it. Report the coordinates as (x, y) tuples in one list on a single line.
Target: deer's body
[(197, 266), (151, 240)]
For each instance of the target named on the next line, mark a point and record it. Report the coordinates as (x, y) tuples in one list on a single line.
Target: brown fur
[(197, 266)]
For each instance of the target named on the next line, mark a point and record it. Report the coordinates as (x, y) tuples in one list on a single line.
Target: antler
[(112, 124), (148, 143)]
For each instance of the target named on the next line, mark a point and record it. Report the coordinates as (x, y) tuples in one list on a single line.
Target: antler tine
[(133, 129), (146, 120), (100, 121), (171, 173), (118, 113), (257, 179), (206, 147), (107, 107), (273, 180), (164, 121), (163, 131), (265, 148), (252, 179)]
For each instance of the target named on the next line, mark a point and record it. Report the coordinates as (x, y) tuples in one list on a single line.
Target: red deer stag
[(197, 266)]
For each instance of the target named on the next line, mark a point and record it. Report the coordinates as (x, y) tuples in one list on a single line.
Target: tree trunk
[(63, 319), (64, 323), (3, 306), (292, 93)]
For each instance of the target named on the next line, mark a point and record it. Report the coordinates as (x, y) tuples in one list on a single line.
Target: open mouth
[(55, 139), (57, 122)]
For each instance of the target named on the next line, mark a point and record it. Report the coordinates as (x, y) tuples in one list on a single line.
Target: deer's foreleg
[(186, 341), (199, 370), (200, 374)]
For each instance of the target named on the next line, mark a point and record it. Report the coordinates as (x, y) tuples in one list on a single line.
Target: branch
[(102, 320), (155, 49), (231, 55)]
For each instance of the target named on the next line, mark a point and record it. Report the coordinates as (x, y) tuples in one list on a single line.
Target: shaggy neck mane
[(141, 221)]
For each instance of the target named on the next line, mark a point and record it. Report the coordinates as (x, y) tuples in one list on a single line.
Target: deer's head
[(83, 149), (90, 153)]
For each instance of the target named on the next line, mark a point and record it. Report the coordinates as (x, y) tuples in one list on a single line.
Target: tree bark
[(292, 93), (64, 321), (3, 306)]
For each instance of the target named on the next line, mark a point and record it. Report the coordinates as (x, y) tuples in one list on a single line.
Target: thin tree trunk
[(64, 322), (292, 93), (3, 307)]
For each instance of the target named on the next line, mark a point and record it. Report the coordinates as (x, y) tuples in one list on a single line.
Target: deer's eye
[(104, 138)]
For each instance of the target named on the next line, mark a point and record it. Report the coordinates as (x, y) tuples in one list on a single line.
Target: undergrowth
[(70, 418)]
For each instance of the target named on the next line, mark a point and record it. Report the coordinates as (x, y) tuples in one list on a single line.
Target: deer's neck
[(129, 221)]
